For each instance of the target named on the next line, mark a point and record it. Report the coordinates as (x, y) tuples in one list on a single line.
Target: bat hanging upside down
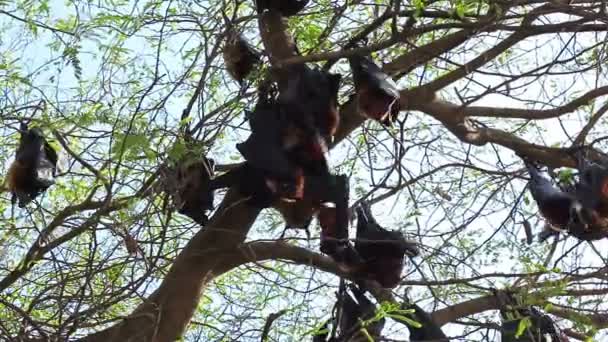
[(376, 93), (34, 156), (381, 250), (194, 198), (240, 57)]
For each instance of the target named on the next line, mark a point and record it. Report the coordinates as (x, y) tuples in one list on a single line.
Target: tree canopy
[(103, 255)]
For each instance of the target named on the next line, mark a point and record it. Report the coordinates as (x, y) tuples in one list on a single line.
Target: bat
[(34, 155), (377, 94), (192, 194), (354, 310), (381, 250), (311, 98), (333, 220), (240, 57), (261, 189), (592, 186), (541, 329), (299, 214), (559, 208)]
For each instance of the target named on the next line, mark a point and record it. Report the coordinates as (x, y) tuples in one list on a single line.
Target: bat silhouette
[(377, 94), (541, 329), (34, 155), (240, 57), (194, 197), (381, 250), (357, 309), (334, 221), (559, 208), (311, 97)]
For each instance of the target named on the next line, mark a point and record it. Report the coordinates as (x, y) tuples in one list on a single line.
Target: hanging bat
[(353, 311), (541, 329), (265, 150), (34, 156), (279, 134), (287, 8), (429, 330), (592, 187), (193, 197), (377, 94), (381, 250), (310, 95), (559, 208), (240, 57), (333, 220), (261, 189), (317, 194)]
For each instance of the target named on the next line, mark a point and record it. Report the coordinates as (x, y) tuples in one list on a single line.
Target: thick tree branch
[(454, 118), (521, 113), (423, 54), (166, 313)]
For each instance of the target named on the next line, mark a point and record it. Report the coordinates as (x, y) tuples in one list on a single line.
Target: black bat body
[(280, 142), (542, 328), (592, 187), (334, 220), (240, 57), (269, 170), (559, 208), (382, 250), (353, 311), (310, 96), (317, 191), (287, 8), (194, 196), (377, 94), (429, 331), (33, 155), (261, 188)]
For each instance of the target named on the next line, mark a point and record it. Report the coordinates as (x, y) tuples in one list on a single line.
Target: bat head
[(288, 189)]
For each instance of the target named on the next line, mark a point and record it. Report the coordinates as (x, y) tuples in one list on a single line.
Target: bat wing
[(342, 197), (350, 313), (264, 154), (365, 71), (555, 204), (310, 97)]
